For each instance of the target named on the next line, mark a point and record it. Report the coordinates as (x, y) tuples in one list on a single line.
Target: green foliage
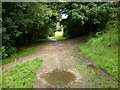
[(86, 17), (24, 51), (7, 50), (24, 23), (103, 49), (21, 76), (58, 35), (51, 32)]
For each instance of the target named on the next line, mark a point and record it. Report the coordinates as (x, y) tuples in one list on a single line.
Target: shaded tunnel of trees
[(24, 22)]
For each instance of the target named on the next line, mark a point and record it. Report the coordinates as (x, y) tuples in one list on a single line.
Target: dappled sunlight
[(58, 35)]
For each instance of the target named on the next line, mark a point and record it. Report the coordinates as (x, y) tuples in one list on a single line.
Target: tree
[(86, 17), (24, 23)]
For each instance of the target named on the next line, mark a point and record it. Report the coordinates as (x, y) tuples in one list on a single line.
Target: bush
[(7, 51)]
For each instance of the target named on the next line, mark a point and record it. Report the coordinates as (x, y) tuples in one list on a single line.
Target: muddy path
[(58, 69), (58, 56)]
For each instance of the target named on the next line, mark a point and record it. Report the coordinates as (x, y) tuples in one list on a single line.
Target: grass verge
[(104, 51), (92, 80), (21, 53), (21, 76)]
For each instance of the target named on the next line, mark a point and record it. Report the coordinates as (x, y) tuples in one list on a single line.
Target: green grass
[(21, 76), (104, 51), (92, 80), (58, 35), (90, 76), (21, 53)]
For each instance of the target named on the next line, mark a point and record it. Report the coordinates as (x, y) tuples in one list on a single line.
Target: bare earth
[(56, 55)]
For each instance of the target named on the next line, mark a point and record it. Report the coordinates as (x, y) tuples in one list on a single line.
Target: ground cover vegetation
[(103, 49), (22, 75)]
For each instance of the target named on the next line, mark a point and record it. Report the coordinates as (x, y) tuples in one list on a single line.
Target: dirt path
[(49, 49), (58, 56)]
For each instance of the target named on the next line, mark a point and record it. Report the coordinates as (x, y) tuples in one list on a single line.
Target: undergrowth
[(24, 51), (103, 49), (21, 76)]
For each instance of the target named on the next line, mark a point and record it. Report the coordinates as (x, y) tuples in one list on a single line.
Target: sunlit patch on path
[(51, 39)]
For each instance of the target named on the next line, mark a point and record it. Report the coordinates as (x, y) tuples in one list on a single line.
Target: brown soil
[(58, 55)]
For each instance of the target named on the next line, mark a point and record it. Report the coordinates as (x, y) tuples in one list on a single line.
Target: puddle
[(58, 77)]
